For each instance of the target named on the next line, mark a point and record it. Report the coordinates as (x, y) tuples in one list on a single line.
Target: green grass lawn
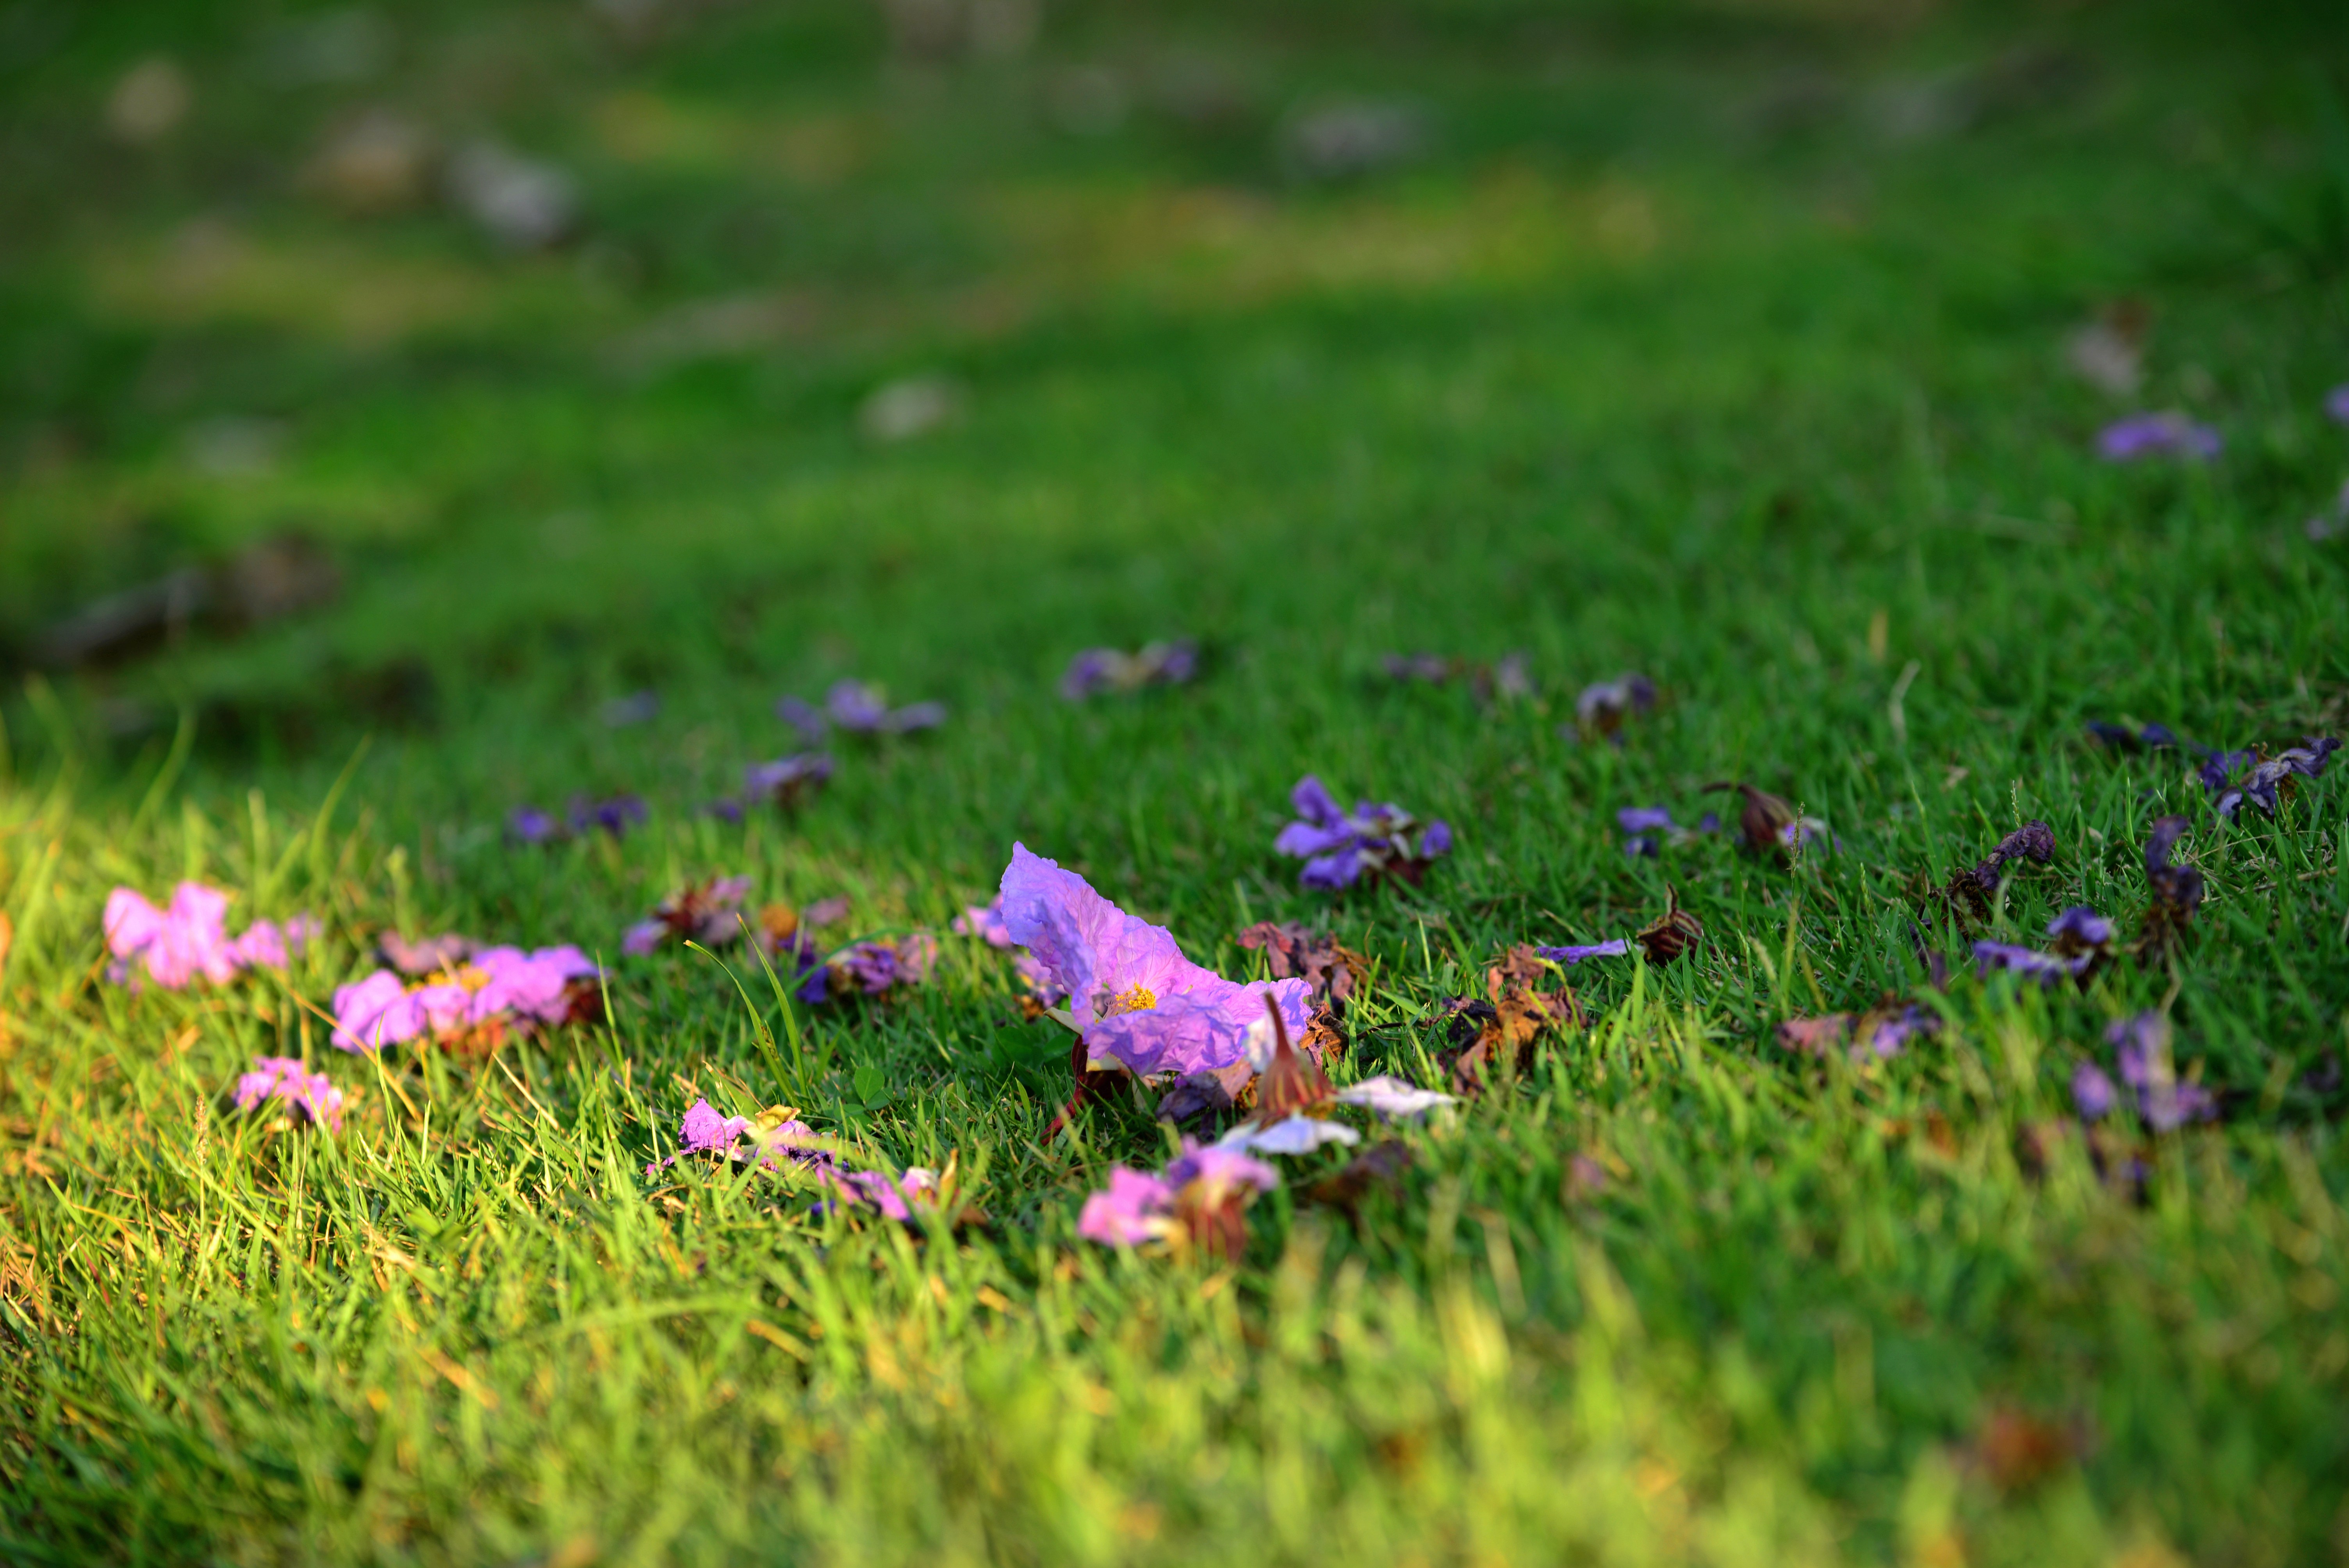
[(1723, 343)]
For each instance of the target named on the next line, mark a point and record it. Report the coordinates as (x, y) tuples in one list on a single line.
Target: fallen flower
[(529, 825), (2151, 737), (787, 783), (1672, 934), (985, 921), (469, 1005), (870, 968), (774, 1136), (2162, 435), (426, 954), (614, 816), (2279, 773), (2027, 962), (859, 709), (1200, 1200), (1299, 952), (1647, 828), (2092, 1092), (1507, 679), (1602, 706), (1772, 828), (1039, 992), (703, 911), (188, 940), (1374, 841), (1097, 670), (1496, 1036), (1133, 999), (1883, 1032), (2033, 843), (283, 1078), (1570, 956), (2165, 1100), (2336, 403), (892, 1199), (1295, 1134), (2177, 890)]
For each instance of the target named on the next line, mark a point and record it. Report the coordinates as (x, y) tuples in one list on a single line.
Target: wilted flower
[(1602, 707), (870, 968), (890, 1198), (1497, 1035), (284, 1079), (473, 1003), (2305, 761), (2163, 435), (1670, 934), (1098, 670), (2027, 962), (1505, 679), (859, 709), (2177, 890), (188, 940), (2152, 738), (703, 911), (1339, 848), (1134, 998), (1882, 1032), (1200, 1200), (615, 815), (1772, 828), (1293, 951), (774, 1136), (2166, 1102), (788, 783)]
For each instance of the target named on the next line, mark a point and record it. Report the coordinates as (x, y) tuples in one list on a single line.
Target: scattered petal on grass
[(2336, 404), (870, 968), (859, 709), (1506, 679), (2092, 1092), (1134, 998), (1495, 1036), (1392, 1096), (285, 1079), (1648, 829), (788, 783), (1569, 956), (1882, 1032), (1098, 670), (426, 954), (2027, 962), (1340, 848), (985, 921), (1297, 1134), (1199, 1201), (2162, 435), (1133, 1211)]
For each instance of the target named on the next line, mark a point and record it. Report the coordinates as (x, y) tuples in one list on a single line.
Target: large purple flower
[(1339, 848), (2163, 435), (1137, 1002), (283, 1078)]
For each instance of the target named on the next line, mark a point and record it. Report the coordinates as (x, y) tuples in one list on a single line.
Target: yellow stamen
[(1138, 999)]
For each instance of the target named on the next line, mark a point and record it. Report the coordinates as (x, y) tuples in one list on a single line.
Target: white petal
[(1260, 1043), (1297, 1135), (1392, 1096)]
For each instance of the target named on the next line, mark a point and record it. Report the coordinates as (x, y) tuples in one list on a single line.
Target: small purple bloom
[(2166, 1102), (872, 1189), (804, 716), (1098, 670), (788, 782), (2305, 761), (2029, 963), (614, 816), (1603, 705), (1217, 1170), (2081, 927), (1137, 1002), (268, 946), (1573, 956), (2336, 404), (766, 1142), (2163, 435), (870, 968), (985, 921), (188, 940), (1645, 820), (1339, 848), (529, 825), (314, 1095), (2092, 1092)]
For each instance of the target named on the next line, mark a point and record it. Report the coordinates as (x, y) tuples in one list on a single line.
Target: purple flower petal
[(2336, 404), (1295, 1135), (1570, 956), (2092, 1092), (804, 716), (283, 1078), (2162, 435), (1135, 1209), (2082, 925)]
